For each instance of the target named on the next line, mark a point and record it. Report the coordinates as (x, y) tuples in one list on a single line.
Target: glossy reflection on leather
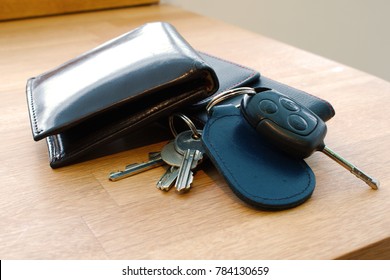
[(115, 89), (127, 68)]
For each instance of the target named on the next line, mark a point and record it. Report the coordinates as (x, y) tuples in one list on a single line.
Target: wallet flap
[(138, 67)]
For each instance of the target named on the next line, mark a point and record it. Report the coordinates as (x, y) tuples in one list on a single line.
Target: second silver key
[(185, 177), (168, 179), (171, 157), (190, 146), (136, 168)]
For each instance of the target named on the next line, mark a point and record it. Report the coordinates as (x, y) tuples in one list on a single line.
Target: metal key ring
[(229, 94), (188, 121)]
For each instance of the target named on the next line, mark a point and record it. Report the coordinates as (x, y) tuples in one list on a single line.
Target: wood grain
[(76, 213), (16, 9)]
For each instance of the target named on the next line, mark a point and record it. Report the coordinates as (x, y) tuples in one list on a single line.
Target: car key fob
[(290, 126)]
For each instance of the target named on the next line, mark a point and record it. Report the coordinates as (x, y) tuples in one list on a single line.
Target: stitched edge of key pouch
[(223, 167)]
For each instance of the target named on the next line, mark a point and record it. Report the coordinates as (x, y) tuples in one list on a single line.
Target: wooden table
[(76, 213)]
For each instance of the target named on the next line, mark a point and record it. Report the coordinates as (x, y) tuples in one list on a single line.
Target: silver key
[(191, 147), (186, 140), (170, 155), (152, 156), (186, 176), (173, 159), (173, 154), (166, 181), (136, 168)]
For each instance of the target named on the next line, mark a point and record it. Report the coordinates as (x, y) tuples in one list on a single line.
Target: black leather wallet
[(114, 89)]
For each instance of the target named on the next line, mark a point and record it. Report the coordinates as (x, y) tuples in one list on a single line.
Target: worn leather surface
[(115, 89), (134, 78), (257, 173)]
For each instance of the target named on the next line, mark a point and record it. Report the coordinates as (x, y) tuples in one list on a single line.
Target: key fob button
[(268, 106), (289, 104), (297, 122)]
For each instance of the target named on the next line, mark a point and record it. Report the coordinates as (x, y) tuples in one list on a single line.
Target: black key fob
[(285, 123)]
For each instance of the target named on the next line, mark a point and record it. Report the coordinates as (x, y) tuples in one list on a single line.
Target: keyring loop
[(229, 94), (188, 121)]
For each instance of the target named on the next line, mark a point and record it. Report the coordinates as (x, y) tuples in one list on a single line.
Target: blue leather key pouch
[(256, 172)]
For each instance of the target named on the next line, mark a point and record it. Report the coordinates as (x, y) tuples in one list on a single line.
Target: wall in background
[(353, 32)]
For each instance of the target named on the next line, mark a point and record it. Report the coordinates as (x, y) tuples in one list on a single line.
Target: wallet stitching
[(33, 110), (243, 80), (235, 180)]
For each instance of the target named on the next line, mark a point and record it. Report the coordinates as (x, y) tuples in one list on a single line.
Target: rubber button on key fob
[(289, 104), (291, 127), (268, 106), (297, 122)]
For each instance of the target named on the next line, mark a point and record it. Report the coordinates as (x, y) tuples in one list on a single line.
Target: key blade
[(185, 176), (372, 182), (166, 181), (185, 184), (130, 165), (135, 169), (151, 155), (198, 157)]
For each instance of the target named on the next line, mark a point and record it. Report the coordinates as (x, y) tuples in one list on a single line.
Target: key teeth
[(167, 180), (163, 188), (187, 186), (183, 190), (161, 185)]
